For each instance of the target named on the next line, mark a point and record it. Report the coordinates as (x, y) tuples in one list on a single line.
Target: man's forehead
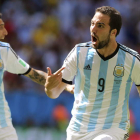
[(99, 17)]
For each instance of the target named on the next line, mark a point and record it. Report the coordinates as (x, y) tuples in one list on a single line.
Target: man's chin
[(95, 46)]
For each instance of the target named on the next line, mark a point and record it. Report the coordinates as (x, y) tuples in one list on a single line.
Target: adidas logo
[(87, 67)]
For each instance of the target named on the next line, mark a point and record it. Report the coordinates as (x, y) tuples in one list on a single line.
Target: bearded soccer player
[(104, 71)]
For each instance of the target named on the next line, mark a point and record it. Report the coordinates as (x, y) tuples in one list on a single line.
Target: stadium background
[(42, 32)]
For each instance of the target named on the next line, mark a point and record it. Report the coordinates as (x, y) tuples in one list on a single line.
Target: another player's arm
[(37, 76), (40, 78)]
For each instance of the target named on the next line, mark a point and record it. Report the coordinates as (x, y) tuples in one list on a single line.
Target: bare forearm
[(70, 88), (37, 76)]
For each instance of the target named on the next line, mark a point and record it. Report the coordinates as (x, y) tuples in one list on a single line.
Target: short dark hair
[(115, 17)]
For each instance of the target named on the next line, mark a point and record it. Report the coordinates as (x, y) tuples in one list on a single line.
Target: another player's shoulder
[(85, 44), (130, 51), (4, 45)]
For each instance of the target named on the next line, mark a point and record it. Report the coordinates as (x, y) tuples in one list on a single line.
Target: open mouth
[(94, 39)]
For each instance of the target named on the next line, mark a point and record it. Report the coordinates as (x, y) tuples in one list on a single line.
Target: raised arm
[(54, 85), (40, 77)]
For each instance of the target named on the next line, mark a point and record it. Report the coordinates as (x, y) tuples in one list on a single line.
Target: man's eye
[(100, 26)]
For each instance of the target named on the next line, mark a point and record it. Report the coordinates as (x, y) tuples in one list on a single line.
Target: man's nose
[(5, 32), (93, 28)]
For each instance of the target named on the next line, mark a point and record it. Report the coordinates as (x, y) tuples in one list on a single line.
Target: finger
[(60, 70), (49, 71), (59, 76)]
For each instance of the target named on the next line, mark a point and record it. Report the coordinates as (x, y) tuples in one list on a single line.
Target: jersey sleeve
[(70, 64), (136, 73), (13, 63)]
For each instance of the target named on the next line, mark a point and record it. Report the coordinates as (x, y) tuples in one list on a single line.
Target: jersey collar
[(110, 56)]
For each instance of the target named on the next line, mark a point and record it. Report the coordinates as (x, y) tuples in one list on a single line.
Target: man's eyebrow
[(2, 24), (101, 23)]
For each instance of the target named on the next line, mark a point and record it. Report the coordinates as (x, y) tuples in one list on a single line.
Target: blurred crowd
[(42, 32)]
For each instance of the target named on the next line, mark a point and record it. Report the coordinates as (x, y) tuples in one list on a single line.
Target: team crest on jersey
[(118, 71), (1, 64)]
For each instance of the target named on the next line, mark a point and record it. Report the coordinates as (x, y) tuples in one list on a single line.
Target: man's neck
[(108, 50)]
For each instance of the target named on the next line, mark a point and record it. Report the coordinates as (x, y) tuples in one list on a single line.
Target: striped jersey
[(102, 86), (9, 61)]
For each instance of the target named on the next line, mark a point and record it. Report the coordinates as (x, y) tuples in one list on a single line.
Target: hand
[(70, 88), (53, 80)]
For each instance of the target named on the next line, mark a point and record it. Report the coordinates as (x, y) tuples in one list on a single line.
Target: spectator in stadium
[(104, 71), (11, 62)]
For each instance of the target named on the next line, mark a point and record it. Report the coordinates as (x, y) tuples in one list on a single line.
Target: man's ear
[(114, 32)]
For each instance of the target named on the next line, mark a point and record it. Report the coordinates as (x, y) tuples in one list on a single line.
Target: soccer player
[(104, 71), (11, 62)]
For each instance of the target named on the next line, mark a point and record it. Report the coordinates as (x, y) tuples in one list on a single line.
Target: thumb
[(49, 71)]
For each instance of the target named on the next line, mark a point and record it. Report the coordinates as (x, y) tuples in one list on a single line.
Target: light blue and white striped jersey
[(102, 86), (10, 62)]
